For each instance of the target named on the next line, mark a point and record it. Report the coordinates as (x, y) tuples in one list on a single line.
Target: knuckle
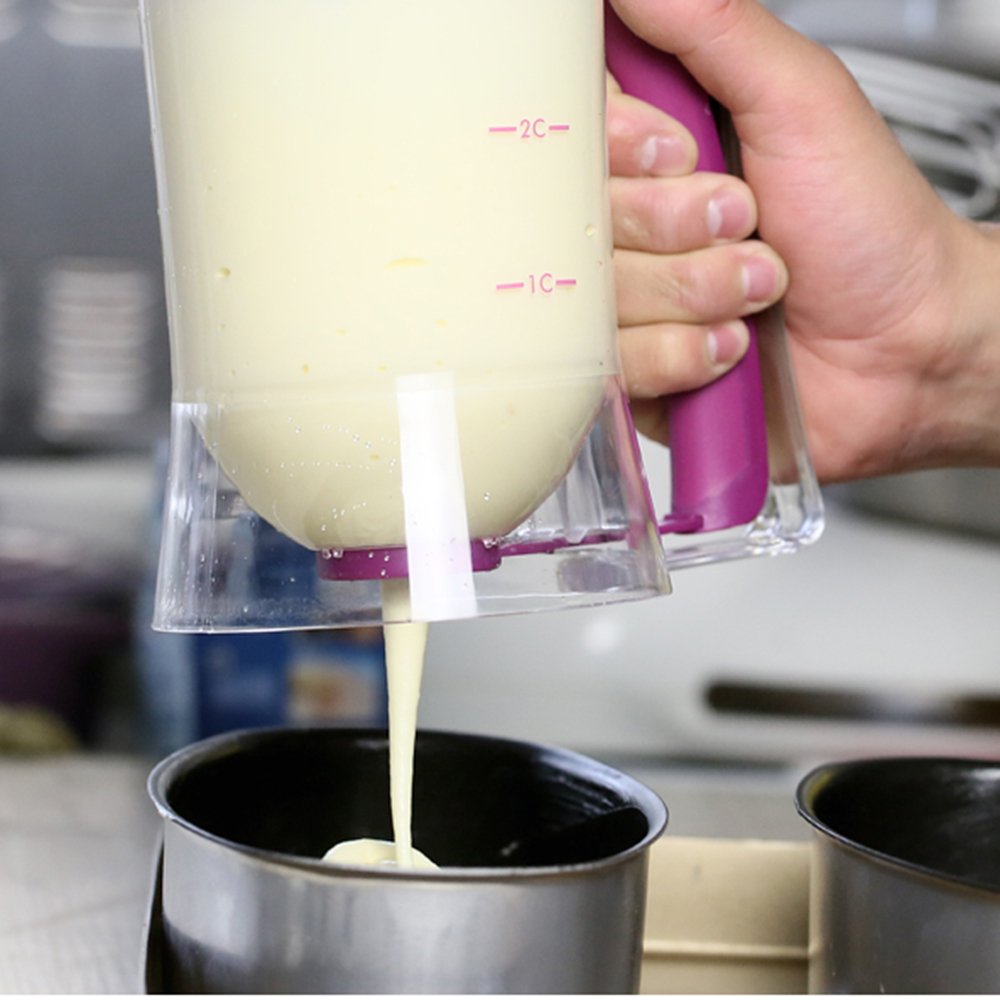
[(664, 358), (722, 16), (693, 285)]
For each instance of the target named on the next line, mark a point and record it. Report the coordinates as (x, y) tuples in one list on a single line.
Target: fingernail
[(760, 279), (729, 215), (727, 344), (664, 155)]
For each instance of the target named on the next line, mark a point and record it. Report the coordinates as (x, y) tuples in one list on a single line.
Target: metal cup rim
[(819, 778), (181, 760)]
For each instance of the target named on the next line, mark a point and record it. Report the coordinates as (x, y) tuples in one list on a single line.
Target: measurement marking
[(530, 128), (544, 284)]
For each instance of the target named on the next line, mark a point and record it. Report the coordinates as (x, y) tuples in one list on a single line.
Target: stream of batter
[(405, 644)]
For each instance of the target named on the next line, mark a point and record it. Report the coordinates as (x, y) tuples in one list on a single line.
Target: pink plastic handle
[(718, 434)]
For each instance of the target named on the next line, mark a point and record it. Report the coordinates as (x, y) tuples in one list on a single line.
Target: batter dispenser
[(388, 250)]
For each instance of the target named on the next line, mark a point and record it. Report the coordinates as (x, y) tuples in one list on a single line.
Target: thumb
[(810, 141), (739, 52)]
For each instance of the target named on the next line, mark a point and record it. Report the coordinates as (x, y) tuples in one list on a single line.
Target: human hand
[(893, 307), (685, 267)]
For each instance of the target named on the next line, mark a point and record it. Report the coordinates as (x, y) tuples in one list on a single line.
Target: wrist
[(964, 411)]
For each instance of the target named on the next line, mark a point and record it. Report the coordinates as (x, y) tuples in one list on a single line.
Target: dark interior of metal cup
[(939, 815), (477, 801)]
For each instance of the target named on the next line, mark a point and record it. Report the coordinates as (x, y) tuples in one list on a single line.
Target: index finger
[(644, 141)]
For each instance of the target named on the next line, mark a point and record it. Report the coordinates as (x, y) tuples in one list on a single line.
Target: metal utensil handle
[(718, 434)]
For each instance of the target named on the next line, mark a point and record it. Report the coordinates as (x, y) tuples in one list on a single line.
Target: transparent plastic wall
[(592, 541)]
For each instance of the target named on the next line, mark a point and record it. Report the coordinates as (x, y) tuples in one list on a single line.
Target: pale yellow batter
[(314, 292), (306, 280), (405, 643)]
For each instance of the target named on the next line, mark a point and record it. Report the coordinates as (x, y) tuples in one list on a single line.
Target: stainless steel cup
[(542, 889), (905, 888)]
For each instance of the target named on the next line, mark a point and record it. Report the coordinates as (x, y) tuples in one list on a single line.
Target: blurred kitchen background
[(882, 638)]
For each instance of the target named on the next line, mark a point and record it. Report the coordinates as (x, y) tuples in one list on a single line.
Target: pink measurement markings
[(543, 283), (530, 128)]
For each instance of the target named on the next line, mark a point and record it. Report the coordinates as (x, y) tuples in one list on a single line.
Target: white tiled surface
[(77, 839)]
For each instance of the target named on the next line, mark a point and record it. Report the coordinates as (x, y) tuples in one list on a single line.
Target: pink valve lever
[(718, 434)]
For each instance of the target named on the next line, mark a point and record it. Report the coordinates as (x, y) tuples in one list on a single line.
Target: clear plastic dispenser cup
[(387, 244), (542, 887)]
